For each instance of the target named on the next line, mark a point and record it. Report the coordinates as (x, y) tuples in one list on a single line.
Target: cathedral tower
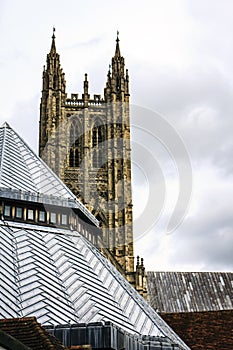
[(86, 142)]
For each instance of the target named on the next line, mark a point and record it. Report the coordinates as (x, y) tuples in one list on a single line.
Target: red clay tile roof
[(10, 343), (208, 330), (29, 332)]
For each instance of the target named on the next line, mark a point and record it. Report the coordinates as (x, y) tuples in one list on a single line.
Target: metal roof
[(108, 336), (58, 276), (54, 274), (22, 170), (190, 291)]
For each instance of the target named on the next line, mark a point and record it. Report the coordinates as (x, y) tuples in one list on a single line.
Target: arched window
[(98, 137), (75, 146)]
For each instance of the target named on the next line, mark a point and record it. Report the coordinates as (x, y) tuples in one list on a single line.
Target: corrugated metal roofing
[(58, 276), (190, 291), (21, 169)]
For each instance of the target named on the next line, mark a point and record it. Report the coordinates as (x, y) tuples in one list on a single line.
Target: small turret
[(85, 95), (117, 86), (53, 77), (52, 100), (141, 277)]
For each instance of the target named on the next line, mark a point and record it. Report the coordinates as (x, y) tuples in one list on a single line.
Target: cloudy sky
[(180, 60)]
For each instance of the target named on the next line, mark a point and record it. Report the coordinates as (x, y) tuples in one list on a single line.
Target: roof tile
[(203, 330), (29, 332)]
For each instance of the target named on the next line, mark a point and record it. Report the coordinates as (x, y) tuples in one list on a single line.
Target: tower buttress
[(119, 168)]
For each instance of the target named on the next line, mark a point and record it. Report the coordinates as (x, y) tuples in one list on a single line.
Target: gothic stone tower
[(86, 142)]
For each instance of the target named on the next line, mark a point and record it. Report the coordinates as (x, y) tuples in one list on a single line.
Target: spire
[(117, 85), (117, 52), (53, 76), (53, 46)]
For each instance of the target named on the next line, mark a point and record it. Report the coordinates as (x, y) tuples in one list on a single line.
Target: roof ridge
[(167, 271), (5, 125), (2, 148)]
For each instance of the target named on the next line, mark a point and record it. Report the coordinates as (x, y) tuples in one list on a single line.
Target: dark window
[(71, 157), (100, 136), (75, 145), (94, 137), (97, 145)]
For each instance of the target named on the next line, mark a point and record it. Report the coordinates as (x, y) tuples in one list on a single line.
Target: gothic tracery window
[(98, 137), (75, 146)]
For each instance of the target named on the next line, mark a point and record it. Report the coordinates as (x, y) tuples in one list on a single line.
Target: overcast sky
[(180, 60)]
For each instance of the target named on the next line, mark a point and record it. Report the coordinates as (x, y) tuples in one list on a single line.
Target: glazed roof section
[(59, 277), (23, 175), (190, 291)]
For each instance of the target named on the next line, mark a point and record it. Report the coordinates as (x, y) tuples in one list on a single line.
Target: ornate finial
[(85, 85), (53, 47), (117, 52)]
